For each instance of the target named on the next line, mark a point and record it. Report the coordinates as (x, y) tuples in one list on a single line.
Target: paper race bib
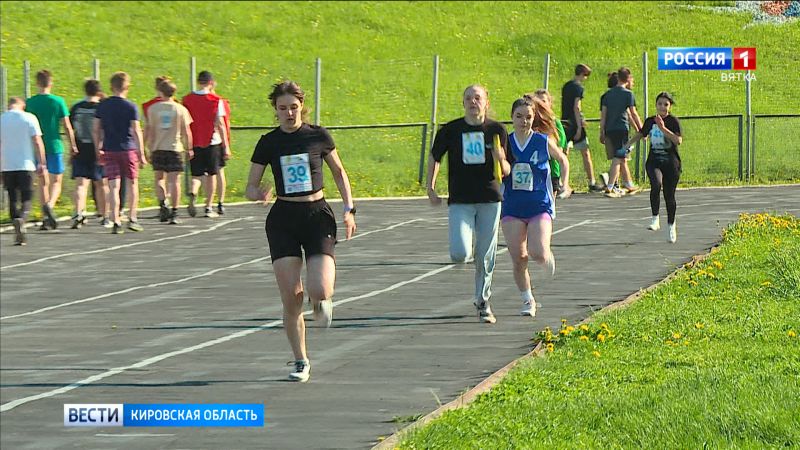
[(522, 177), (657, 139), (473, 148), (165, 120), (296, 173)]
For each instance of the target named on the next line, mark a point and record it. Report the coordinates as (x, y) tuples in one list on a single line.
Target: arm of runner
[(637, 121), (188, 140), (149, 134), (220, 128), (71, 134), (558, 155), (578, 114), (254, 191), (41, 161), (433, 172), (343, 183), (97, 136), (603, 113), (499, 154), (634, 139), (137, 136), (676, 139)]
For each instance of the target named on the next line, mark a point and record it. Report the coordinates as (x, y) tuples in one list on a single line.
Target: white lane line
[(133, 435), (180, 280), (117, 247), (239, 334)]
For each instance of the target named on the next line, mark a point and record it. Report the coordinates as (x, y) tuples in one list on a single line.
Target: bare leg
[(287, 273), (515, 232)]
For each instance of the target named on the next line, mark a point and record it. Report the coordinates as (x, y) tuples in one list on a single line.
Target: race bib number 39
[(522, 177), (473, 147), (296, 173)]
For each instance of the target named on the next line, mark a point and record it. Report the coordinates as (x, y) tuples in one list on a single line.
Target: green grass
[(709, 359), (377, 68)]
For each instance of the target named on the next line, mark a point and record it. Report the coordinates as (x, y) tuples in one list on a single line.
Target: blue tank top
[(527, 190)]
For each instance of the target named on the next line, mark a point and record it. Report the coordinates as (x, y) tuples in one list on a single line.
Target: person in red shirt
[(209, 139), (224, 156)]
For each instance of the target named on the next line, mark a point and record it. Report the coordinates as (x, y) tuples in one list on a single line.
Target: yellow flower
[(584, 338), (584, 327), (570, 329), (791, 334), (601, 337), (699, 325), (692, 283), (676, 336), (563, 320), (563, 332), (766, 283), (550, 348), (717, 264), (604, 326), (596, 354)]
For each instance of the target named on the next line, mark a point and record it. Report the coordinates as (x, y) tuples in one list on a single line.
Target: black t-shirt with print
[(296, 158), (470, 170), (571, 90), (81, 116), (660, 146)]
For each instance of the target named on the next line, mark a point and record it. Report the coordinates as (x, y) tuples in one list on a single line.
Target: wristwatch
[(350, 210)]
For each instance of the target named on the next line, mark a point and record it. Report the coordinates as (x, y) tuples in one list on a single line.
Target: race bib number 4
[(522, 177), (474, 148), (296, 173)]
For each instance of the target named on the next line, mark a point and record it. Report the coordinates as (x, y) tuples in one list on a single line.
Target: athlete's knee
[(319, 292), (538, 257), (520, 260)]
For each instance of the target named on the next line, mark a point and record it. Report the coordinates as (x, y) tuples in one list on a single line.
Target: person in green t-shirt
[(50, 110), (555, 167)]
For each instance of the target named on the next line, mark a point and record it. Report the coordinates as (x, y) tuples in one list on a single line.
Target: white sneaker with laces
[(323, 313), (654, 225), (528, 308), (302, 370), (673, 233)]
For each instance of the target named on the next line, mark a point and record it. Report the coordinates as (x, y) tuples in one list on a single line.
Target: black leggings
[(670, 174), (20, 188)]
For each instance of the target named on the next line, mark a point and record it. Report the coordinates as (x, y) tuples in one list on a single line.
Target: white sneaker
[(673, 233), (485, 314), (323, 313), (654, 225), (528, 308), (302, 371)]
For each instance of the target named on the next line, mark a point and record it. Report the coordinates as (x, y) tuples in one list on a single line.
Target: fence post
[(192, 73), (4, 87), (317, 87), (753, 150), (96, 69), (741, 120), (546, 81), (641, 150), (435, 100), (26, 78), (422, 152), (748, 119)]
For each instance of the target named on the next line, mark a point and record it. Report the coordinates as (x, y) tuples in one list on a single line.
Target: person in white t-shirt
[(21, 154)]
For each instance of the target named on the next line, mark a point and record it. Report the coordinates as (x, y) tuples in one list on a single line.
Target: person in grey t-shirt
[(618, 109)]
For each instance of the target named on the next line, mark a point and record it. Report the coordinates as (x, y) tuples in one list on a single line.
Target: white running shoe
[(528, 308), (323, 313), (485, 314), (302, 371), (654, 225), (673, 233)]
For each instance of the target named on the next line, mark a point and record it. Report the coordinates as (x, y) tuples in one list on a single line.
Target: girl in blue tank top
[(528, 205)]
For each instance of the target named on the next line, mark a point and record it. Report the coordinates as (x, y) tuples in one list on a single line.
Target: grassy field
[(377, 68), (710, 359)]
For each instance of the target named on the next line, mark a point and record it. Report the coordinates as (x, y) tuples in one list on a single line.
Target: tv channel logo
[(163, 415), (706, 58), (93, 415)]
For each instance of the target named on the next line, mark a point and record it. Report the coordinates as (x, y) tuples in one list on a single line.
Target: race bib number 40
[(296, 173), (522, 177), (474, 148)]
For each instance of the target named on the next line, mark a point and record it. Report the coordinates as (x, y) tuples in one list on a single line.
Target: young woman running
[(528, 206), (663, 161), (300, 220)]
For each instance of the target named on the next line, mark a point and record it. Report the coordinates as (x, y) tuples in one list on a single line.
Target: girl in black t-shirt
[(300, 221), (663, 161)]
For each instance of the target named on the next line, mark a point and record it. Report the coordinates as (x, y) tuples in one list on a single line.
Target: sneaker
[(77, 221), (302, 370), (654, 225), (604, 177), (134, 225), (19, 231), (633, 189), (173, 218), (485, 314), (565, 193), (105, 223), (191, 208), (611, 193), (117, 229), (323, 313), (44, 225), (50, 218), (163, 213), (673, 233), (528, 309), (220, 209), (210, 213), (595, 188)]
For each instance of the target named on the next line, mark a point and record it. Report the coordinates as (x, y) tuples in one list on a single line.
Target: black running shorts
[(292, 226)]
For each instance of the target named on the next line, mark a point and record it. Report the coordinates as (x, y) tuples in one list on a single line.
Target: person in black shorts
[(300, 221), (84, 161), (574, 122), (663, 161), (618, 110)]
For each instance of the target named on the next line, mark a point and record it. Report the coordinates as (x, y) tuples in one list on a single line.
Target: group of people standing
[(108, 147)]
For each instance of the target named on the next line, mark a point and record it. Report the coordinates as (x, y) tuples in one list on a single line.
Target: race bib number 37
[(296, 173), (473, 146), (522, 177)]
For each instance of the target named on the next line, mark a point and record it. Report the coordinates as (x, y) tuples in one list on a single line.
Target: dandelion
[(766, 283), (564, 321), (604, 326), (564, 333), (791, 334), (692, 283), (601, 337), (584, 327), (717, 264), (570, 329), (596, 354), (584, 338), (550, 348), (699, 326), (676, 336)]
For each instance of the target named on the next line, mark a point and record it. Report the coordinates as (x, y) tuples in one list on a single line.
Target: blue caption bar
[(193, 415), (695, 58)]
